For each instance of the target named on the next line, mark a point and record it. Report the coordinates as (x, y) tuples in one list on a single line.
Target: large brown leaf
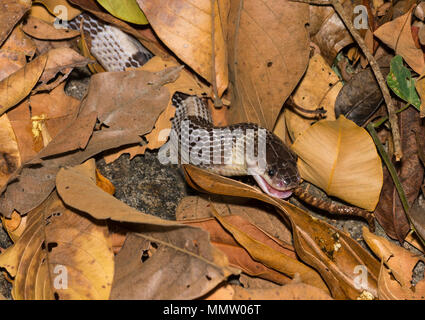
[(11, 11), (389, 212), (333, 253), (177, 264), (185, 27), (268, 53)]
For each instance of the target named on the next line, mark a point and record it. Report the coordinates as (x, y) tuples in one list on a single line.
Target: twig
[(217, 101), (375, 68)]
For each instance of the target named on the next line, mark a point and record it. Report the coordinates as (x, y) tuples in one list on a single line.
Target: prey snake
[(277, 173)]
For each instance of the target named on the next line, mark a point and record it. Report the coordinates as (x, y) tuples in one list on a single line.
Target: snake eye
[(271, 172)]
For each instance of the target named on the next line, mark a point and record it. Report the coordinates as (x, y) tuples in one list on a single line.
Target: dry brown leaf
[(177, 264), (10, 158), (14, 52), (397, 35), (54, 249), (238, 257), (328, 31), (15, 225), (61, 60), (80, 192), (186, 29), (396, 269), (266, 252), (330, 251), (11, 11), (33, 183), (258, 214), (318, 89), (268, 54), (296, 291), (222, 292), (340, 158), (19, 84), (70, 11), (40, 29)]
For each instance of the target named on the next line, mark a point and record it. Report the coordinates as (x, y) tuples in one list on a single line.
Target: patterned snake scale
[(277, 174)]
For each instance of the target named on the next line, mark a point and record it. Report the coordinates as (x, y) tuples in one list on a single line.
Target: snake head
[(281, 173)]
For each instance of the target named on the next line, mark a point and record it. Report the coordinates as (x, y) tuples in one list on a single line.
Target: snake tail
[(332, 207)]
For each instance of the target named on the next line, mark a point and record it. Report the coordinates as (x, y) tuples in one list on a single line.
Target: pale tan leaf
[(397, 35), (268, 54), (185, 27), (340, 158)]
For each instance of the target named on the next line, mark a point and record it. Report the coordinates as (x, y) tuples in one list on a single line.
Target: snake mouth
[(271, 191)]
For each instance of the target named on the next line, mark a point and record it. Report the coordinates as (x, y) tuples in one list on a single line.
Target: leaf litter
[(274, 63)]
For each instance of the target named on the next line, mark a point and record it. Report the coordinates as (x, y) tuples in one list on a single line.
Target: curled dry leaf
[(186, 29), (29, 186), (328, 250), (318, 89), (11, 11), (19, 84), (266, 252), (58, 240), (328, 31), (361, 96), (389, 212), (268, 54), (340, 158), (397, 265), (397, 35), (178, 264), (417, 217), (40, 29), (60, 8), (10, 159), (80, 192), (14, 52)]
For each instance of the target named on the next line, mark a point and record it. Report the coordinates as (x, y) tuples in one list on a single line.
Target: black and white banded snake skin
[(278, 177)]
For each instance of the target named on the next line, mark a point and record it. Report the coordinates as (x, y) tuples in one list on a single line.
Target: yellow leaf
[(61, 254), (340, 158), (126, 10), (20, 83), (186, 29)]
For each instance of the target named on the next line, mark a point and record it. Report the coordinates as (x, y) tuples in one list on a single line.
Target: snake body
[(235, 150)]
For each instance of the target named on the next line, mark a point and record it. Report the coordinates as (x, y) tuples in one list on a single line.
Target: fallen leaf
[(327, 30), (389, 212), (318, 89), (15, 226), (11, 11), (177, 264), (397, 35), (395, 275), (14, 52), (10, 158), (265, 251), (60, 255), (61, 8), (40, 29), (361, 96), (268, 54), (335, 255), (19, 84), (340, 158), (29, 186), (417, 217), (401, 83), (186, 29), (126, 10)]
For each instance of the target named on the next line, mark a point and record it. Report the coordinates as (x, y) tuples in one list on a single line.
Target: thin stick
[(217, 101), (375, 68)]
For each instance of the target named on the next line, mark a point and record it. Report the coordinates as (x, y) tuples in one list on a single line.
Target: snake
[(221, 150)]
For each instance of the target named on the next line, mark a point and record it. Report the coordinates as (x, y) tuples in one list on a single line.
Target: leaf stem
[(390, 166), (379, 122)]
